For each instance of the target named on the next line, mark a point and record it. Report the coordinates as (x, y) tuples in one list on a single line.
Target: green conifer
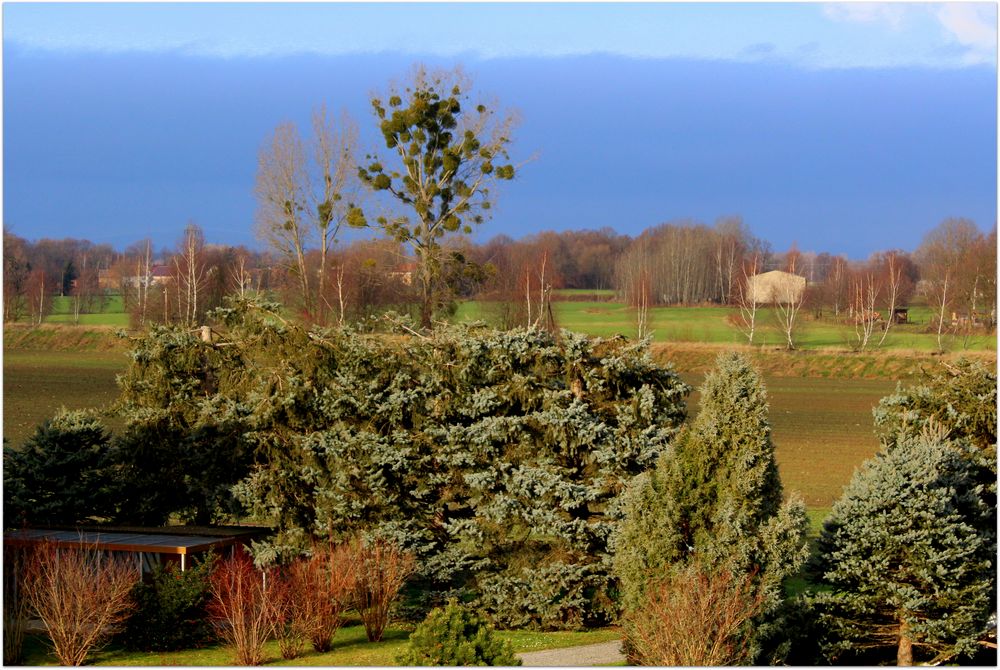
[(910, 555), (716, 498)]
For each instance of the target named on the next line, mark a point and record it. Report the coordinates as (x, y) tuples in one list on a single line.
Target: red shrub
[(695, 617), (382, 569), (245, 606)]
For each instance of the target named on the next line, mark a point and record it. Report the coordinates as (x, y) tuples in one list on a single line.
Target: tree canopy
[(446, 153), (498, 458)]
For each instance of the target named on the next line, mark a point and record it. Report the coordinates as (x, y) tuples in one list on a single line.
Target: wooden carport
[(150, 545)]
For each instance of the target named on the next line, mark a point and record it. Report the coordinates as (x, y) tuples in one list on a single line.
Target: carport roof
[(158, 541)]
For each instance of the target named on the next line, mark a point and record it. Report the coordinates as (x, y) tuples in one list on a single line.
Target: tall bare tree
[(865, 290), (304, 196), (950, 275), (190, 274), (745, 298), (15, 277)]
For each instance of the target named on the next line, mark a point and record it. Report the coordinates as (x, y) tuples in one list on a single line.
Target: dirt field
[(37, 383)]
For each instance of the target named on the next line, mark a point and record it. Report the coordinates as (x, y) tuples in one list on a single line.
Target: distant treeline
[(683, 262)]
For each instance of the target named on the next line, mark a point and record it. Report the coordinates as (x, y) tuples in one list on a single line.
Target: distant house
[(158, 275), (403, 273), (776, 286)]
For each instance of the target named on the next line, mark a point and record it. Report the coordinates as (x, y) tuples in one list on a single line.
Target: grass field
[(111, 314), (350, 648), (714, 325)]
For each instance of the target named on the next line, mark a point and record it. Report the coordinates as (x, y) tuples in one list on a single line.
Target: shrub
[(15, 606), (81, 595), (695, 617), (454, 635), (171, 610), (315, 593), (245, 607), (382, 569)]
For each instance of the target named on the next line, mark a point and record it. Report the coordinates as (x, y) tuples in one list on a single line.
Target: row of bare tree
[(953, 270)]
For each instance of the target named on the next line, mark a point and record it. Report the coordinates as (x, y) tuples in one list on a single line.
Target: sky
[(846, 128)]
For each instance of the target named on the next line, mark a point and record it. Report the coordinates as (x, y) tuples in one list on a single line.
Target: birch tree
[(304, 195)]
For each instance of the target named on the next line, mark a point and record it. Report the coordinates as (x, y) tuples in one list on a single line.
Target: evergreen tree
[(61, 475), (497, 458), (961, 398), (715, 498), (910, 555), (184, 444)]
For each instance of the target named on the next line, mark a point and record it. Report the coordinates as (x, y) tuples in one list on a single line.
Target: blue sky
[(843, 127)]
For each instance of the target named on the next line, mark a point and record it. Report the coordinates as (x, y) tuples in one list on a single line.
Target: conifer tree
[(62, 473), (716, 498), (910, 555), (497, 458)]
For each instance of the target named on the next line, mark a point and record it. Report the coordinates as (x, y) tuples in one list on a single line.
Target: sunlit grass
[(717, 325), (350, 648)]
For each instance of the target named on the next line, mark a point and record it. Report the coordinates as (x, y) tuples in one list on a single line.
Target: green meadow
[(717, 325)]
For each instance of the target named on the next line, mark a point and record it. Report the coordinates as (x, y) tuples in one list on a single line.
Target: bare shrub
[(80, 594), (695, 617), (315, 593), (15, 606), (245, 607), (382, 569)]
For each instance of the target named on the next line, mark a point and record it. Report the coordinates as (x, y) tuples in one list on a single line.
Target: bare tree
[(865, 290), (80, 595), (39, 304), (15, 277), (746, 299), (892, 271), (303, 195), (189, 274), (787, 304), (950, 276)]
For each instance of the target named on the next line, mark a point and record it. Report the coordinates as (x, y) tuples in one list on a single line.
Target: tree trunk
[(904, 652)]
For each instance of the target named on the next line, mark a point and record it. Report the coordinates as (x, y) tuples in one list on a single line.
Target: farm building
[(776, 286), (148, 547)]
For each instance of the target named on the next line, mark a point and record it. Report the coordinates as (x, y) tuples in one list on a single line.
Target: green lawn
[(350, 648), (112, 313)]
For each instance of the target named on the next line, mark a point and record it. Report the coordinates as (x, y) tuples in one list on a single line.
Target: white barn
[(776, 286)]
